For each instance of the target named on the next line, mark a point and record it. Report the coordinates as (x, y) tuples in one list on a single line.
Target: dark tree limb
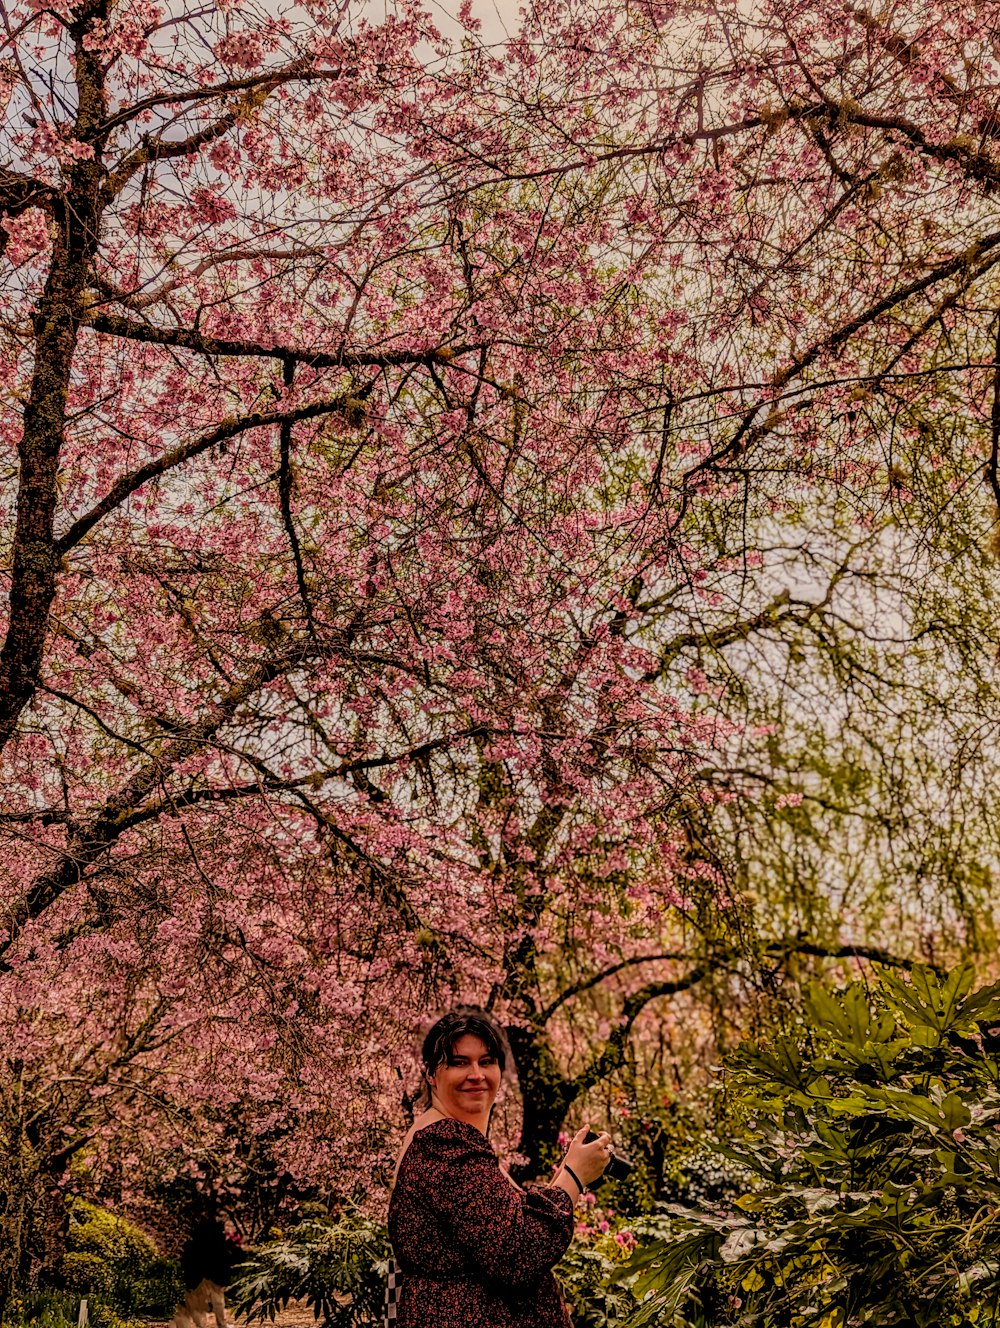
[(994, 462), (90, 838), (747, 432), (612, 1055), (76, 216), (777, 612), (161, 149), (285, 499), (133, 329), (595, 979), (175, 803), (257, 85), (19, 192)]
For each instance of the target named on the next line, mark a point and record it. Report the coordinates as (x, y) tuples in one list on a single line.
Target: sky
[(498, 17)]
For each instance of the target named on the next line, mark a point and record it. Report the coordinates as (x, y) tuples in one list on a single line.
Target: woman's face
[(465, 1086)]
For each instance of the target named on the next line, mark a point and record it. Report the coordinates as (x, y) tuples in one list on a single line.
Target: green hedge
[(109, 1258)]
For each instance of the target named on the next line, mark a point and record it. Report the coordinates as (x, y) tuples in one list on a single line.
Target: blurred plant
[(337, 1265), (42, 1309), (60, 1309), (587, 1274), (871, 1134)]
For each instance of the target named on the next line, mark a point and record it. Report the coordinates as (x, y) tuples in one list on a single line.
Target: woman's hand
[(583, 1162)]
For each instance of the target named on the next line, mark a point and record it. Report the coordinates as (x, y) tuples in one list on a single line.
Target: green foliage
[(587, 1278), (60, 1309), (45, 1309), (338, 1266), (87, 1273), (872, 1138), (94, 1230), (107, 1257)]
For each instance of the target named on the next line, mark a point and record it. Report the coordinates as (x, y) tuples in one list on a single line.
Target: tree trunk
[(546, 1096), (76, 223)]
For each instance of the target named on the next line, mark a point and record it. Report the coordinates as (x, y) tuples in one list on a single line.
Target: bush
[(94, 1230), (87, 1273), (871, 1136), (111, 1261), (587, 1276), (338, 1266), (159, 1289)]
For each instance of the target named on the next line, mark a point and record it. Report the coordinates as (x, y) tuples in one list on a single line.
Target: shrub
[(871, 1135), (337, 1265), (159, 1289), (111, 1261), (96, 1231), (587, 1276), (87, 1273)]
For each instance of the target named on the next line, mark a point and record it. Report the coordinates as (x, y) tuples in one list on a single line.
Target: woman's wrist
[(574, 1178)]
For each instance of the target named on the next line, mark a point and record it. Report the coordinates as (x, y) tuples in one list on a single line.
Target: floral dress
[(472, 1250)]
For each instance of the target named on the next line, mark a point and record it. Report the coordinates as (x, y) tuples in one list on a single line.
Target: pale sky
[(498, 17)]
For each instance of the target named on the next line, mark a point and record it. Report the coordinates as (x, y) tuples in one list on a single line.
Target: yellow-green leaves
[(873, 1132)]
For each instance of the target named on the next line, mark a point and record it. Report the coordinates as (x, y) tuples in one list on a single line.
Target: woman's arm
[(564, 1181)]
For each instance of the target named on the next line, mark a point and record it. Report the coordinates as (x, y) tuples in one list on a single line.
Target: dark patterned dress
[(473, 1251)]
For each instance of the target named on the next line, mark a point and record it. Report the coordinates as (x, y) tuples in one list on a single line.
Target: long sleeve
[(513, 1236)]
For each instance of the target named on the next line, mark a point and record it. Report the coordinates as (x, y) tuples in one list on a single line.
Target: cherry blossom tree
[(326, 523), (393, 422)]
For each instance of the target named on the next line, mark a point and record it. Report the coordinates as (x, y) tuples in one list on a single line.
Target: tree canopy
[(506, 523)]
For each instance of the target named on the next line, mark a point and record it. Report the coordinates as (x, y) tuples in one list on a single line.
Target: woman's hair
[(439, 1044)]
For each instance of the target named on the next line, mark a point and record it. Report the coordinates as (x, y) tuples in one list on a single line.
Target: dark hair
[(439, 1044)]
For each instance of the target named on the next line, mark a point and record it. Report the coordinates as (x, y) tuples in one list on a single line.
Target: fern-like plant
[(336, 1265)]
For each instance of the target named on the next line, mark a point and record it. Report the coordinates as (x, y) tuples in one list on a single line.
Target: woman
[(472, 1249)]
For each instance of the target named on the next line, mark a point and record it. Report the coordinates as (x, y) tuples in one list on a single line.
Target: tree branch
[(114, 295), (193, 797), (19, 191), (994, 461), (777, 612), (908, 52), (126, 485), (129, 809), (285, 499), (748, 433), (611, 1056), (90, 838), (55, 325), (160, 149), (258, 86), (115, 325), (596, 979)]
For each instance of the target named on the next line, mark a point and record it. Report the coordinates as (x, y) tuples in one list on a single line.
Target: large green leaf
[(929, 1002), (874, 1136), (848, 1015)]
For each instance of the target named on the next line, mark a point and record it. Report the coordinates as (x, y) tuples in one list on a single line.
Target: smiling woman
[(470, 1246)]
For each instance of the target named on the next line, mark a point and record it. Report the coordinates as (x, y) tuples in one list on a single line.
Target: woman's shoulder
[(445, 1141), (447, 1130)]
